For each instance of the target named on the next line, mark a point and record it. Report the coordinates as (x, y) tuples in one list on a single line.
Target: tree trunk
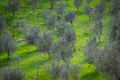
[(18, 64), (74, 47), (51, 6), (117, 76), (99, 39), (48, 54), (37, 69), (89, 18), (71, 23), (13, 13), (8, 55)]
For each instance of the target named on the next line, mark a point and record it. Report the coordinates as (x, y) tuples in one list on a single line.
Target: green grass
[(28, 55)]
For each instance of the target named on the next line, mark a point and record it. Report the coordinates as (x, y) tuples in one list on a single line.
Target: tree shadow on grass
[(4, 63), (40, 63), (92, 76), (28, 54)]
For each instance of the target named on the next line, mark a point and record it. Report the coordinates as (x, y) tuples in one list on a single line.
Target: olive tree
[(8, 43), (45, 43), (107, 60), (114, 29), (115, 8), (88, 1), (44, 15), (55, 70), (101, 7), (77, 3), (65, 73), (60, 9), (50, 22), (2, 23), (70, 36), (60, 26), (97, 12), (69, 17), (13, 74), (63, 50), (74, 71), (39, 42), (88, 10), (1, 46), (31, 34), (91, 48), (13, 6), (98, 30), (48, 42), (20, 23), (34, 3)]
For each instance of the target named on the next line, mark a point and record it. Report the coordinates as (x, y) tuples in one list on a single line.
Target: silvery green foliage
[(88, 1), (109, 62), (115, 8), (97, 12), (91, 49), (96, 16), (45, 43), (60, 9), (8, 43), (101, 7), (98, 29), (34, 3), (74, 71), (65, 73), (69, 17), (70, 36), (52, 3), (14, 74), (63, 50), (77, 3), (118, 37), (39, 42), (1, 46), (88, 10), (48, 42), (44, 14), (55, 70), (13, 6), (2, 23), (31, 34), (51, 20), (114, 23), (20, 23), (60, 26)]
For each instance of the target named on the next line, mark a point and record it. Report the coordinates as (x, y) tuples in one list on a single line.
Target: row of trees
[(14, 5), (7, 44), (107, 60)]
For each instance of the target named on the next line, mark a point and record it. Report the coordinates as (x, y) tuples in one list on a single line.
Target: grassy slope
[(27, 53)]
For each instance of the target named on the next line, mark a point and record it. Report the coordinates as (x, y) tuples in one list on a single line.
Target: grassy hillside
[(28, 55)]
